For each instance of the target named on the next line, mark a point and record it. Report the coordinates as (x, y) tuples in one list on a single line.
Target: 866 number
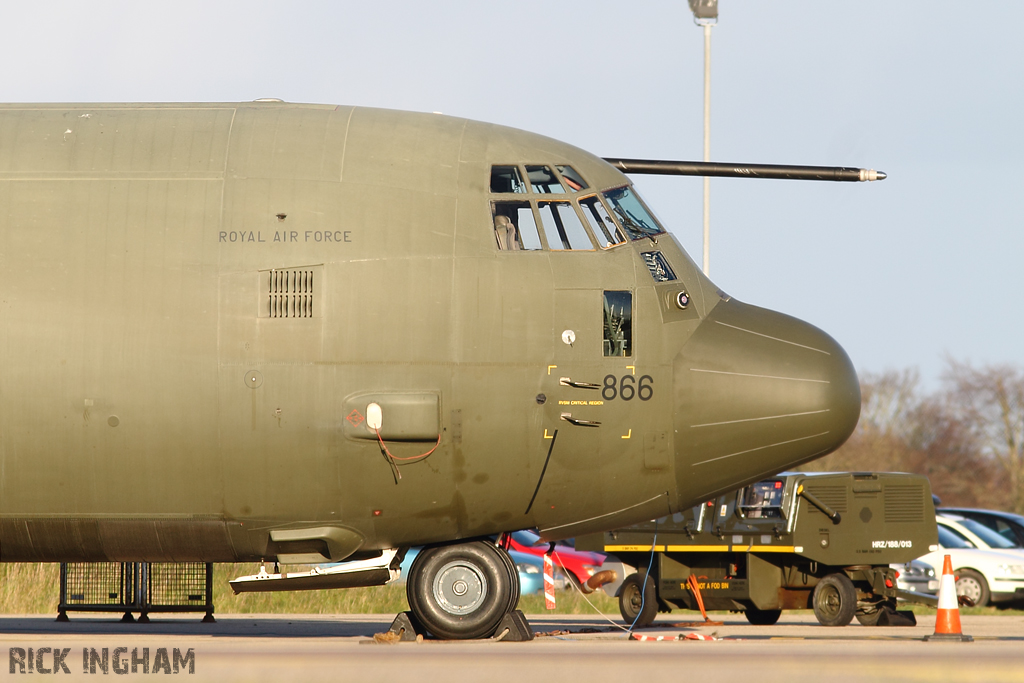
[(627, 388)]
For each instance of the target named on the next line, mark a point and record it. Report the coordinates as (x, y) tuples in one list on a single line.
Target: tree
[(880, 441), (888, 402), (903, 430), (990, 402)]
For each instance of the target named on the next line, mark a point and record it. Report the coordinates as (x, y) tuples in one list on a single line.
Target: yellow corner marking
[(548, 436), (628, 435), (551, 367), (632, 368)]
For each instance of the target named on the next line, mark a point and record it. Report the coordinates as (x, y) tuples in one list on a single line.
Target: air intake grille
[(904, 503), (833, 496), (289, 293)]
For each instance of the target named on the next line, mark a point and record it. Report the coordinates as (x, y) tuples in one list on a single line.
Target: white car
[(980, 535), (985, 575)]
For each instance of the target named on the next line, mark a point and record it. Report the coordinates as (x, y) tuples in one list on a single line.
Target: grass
[(29, 588), (33, 588)]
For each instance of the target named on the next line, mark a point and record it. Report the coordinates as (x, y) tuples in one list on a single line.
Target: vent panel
[(291, 293), (832, 496), (904, 503)]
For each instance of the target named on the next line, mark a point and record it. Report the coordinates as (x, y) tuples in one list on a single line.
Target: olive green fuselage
[(154, 408)]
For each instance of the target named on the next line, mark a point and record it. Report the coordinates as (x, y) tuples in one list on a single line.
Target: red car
[(580, 565)]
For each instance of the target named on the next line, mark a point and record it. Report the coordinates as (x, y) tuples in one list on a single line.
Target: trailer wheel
[(973, 585), (762, 617), (638, 600), (835, 600), (460, 591)]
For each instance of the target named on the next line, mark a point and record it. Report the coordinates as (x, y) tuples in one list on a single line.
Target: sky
[(903, 273)]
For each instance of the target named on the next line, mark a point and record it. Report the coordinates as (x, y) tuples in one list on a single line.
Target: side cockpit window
[(543, 181), (562, 226), (514, 226), (506, 179), (602, 225), (572, 178)]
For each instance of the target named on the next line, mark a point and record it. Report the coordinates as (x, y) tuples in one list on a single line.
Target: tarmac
[(283, 648)]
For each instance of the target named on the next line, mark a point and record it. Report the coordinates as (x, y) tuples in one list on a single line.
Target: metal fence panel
[(136, 587)]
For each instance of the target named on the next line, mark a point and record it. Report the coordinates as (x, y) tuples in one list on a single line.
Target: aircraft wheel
[(513, 575), (834, 600), (460, 591), (762, 617), (973, 585), (638, 600)]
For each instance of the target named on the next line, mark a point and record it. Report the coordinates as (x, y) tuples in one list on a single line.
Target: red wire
[(414, 457)]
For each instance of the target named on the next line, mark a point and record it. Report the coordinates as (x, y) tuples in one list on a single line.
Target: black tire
[(834, 600), (973, 585), (461, 591), (871, 618), (513, 573), (762, 617), (638, 600)]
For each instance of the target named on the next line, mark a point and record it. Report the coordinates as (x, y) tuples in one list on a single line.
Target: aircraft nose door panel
[(757, 392), (590, 453)]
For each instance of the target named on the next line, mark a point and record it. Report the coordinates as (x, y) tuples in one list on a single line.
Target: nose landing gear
[(463, 591)]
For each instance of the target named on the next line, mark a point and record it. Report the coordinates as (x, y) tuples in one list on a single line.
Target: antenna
[(741, 170)]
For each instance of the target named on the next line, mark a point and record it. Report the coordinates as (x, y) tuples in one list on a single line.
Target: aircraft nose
[(758, 392)]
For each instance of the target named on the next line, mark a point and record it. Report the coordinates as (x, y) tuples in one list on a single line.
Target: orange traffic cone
[(947, 619)]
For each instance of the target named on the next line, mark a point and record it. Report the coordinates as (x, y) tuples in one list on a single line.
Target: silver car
[(917, 576)]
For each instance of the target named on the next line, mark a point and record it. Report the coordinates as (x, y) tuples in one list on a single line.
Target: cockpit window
[(514, 226), (618, 324), (543, 180), (601, 224), (572, 178), (506, 179), (631, 213), (561, 221), (562, 226)]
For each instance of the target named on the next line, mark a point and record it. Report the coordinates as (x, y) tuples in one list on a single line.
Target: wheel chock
[(903, 617), (513, 628), (405, 628)]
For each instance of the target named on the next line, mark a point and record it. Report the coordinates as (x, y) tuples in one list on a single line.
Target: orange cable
[(413, 457)]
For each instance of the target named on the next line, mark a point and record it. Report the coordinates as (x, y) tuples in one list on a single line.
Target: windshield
[(993, 539), (634, 217), (951, 539)]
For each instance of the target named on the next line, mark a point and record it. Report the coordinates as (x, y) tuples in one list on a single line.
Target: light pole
[(705, 14)]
